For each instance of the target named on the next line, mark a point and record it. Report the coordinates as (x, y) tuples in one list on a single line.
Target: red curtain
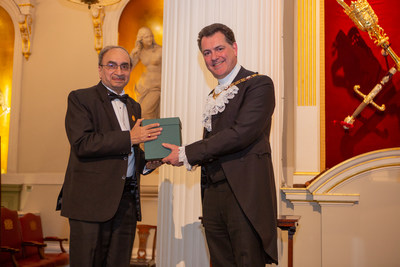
[(352, 58)]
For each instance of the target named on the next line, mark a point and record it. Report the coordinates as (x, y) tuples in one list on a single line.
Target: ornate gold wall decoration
[(98, 15), (98, 20), (25, 26)]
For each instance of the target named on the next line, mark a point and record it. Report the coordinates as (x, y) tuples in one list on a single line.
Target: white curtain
[(257, 25)]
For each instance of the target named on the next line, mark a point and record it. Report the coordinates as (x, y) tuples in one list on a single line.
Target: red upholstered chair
[(12, 245), (143, 231), (31, 226), (11, 237)]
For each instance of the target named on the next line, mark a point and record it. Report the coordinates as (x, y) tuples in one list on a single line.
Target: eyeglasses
[(114, 66)]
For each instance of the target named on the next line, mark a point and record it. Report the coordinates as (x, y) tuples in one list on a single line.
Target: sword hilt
[(347, 123), (368, 99)]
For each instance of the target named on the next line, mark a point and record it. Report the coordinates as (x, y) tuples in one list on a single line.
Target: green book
[(170, 134)]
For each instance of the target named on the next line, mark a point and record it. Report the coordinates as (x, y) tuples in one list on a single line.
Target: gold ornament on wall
[(98, 15), (25, 27), (25, 23)]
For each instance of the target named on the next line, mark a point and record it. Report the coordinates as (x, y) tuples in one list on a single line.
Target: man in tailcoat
[(238, 187), (100, 194)]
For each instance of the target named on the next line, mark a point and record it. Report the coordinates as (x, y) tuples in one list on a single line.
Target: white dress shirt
[(122, 115)]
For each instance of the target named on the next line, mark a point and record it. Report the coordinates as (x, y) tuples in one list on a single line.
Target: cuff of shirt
[(146, 170), (183, 158)]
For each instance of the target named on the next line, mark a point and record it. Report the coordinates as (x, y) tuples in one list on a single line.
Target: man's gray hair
[(110, 47)]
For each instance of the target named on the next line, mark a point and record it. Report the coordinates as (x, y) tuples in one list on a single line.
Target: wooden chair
[(143, 231), (12, 246), (31, 227), (289, 223)]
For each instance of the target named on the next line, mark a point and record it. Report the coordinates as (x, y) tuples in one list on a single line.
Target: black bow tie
[(123, 97)]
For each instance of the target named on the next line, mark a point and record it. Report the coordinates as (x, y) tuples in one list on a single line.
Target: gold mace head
[(361, 13)]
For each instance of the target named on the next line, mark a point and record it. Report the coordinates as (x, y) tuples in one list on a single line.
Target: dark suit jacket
[(239, 141), (94, 180)]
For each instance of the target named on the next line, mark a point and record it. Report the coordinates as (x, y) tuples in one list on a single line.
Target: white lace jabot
[(216, 102)]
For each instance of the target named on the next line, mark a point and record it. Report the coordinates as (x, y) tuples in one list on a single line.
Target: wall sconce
[(98, 15)]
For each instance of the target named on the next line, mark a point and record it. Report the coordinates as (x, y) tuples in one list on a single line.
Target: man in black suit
[(100, 195), (238, 187)]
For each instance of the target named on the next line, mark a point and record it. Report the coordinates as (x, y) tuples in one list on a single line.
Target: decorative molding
[(25, 22), (303, 177), (105, 28), (149, 191), (323, 189), (98, 15), (33, 178), (146, 191), (111, 21)]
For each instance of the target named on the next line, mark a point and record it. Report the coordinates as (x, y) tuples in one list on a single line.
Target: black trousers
[(105, 244), (231, 239)]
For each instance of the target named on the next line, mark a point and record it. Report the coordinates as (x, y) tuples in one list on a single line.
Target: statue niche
[(148, 88)]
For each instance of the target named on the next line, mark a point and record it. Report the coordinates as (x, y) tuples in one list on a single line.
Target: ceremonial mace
[(362, 14)]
